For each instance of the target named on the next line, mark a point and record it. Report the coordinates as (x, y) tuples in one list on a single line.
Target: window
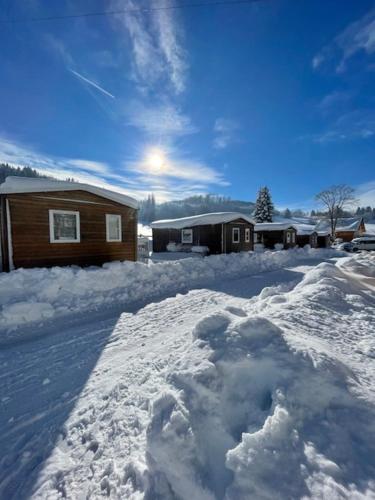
[(64, 226), (288, 237), (256, 238), (247, 235), (113, 227), (187, 236), (293, 237), (235, 235)]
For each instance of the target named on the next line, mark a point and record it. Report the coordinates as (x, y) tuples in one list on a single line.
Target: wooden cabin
[(46, 223), (270, 234), (223, 232), (347, 228), (306, 235)]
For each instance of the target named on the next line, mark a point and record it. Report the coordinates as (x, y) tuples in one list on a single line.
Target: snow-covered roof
[(200, 220), (31, 185), (344, 224), (273, 226)]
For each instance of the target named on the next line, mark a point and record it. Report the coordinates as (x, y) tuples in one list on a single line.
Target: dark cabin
[(46, 223), (223, 232), (306, 236), (275, 233)]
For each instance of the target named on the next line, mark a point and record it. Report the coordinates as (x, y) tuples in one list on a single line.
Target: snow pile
[(260, 410), (209, 395), (29, 295)]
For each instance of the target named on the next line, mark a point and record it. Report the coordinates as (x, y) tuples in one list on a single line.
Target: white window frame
[(247, 235), (293, 237), (52, 226), (256, 237), (107, 219), (188, 240), (288, 237), (236, 230)]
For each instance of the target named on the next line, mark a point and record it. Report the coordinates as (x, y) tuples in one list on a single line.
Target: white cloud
[(365, 193), (155, 37), (93, 84), (161, 164), (336, 97), (225, 132), (359, 36), (354, 125), (180, 179), (162, 120)]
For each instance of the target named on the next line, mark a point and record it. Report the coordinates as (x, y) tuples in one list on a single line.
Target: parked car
[(346, 247), (363, 243)]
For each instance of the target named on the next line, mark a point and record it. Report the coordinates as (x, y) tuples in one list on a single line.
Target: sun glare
[(156, 161)]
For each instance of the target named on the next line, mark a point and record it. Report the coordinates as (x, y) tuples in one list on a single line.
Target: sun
[(156, 161)]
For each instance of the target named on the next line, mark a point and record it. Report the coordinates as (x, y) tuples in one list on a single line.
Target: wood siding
[(242, 246), (271, 238), (307, 239), (206, 235), (31, 233)]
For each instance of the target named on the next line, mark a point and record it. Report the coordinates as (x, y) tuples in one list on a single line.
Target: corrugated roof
[(31, 185), (200, 220)]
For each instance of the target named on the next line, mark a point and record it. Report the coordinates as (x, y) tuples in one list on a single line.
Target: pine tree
[(287, 213), (263, 206)]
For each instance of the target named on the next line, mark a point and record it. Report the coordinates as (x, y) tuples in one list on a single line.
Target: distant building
[(46, 223), (222, 232), (347, 228)]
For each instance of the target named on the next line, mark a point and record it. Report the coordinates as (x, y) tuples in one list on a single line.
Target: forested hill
[(7, 170), (150, 211)]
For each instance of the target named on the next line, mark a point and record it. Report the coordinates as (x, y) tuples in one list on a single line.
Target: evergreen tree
[(312, 213), (287, 213), (263, 206)]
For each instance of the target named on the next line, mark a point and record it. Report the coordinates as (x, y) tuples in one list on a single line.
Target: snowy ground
[(260, 386)]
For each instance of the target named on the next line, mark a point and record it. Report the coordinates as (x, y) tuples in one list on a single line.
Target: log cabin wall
[(242, 246), (209, 235), (30, 231)]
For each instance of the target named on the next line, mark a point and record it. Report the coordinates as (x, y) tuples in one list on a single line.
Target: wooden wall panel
[(31, 238)]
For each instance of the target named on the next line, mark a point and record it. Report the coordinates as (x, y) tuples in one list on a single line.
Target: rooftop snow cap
[(344, 224), (200, 220), (31, 185), (274, 226)]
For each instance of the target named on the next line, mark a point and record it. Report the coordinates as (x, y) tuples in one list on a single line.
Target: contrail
[(93, 84)]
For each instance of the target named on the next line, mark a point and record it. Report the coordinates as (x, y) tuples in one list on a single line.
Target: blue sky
[(216, 99)]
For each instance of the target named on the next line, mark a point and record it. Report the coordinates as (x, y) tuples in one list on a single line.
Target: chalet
[(222, 232), (306, 235), (47, 223), (346, 228), (275, 233)]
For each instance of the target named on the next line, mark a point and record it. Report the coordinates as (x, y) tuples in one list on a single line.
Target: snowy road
[(86, 409)]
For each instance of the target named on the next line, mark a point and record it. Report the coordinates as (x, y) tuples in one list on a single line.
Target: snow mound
[(256, 419), (35, 295)]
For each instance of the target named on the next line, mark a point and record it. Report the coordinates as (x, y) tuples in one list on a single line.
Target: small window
[(256, 238), (247, 235), (187, 236), (235, 235), (293, 237), (288, 237), (64, 226), (113, 227)]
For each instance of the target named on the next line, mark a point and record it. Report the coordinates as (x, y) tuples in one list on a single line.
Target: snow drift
[(31, 295), (267, 398), (268, 412)]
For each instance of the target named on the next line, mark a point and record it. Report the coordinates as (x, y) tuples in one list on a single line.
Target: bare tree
[(335, 199)]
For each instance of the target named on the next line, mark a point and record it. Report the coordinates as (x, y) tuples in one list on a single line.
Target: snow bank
[(30, 295), (271, 407)]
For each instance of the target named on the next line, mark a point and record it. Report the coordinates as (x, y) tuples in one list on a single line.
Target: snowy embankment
[(267, 398), (36, 295)]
